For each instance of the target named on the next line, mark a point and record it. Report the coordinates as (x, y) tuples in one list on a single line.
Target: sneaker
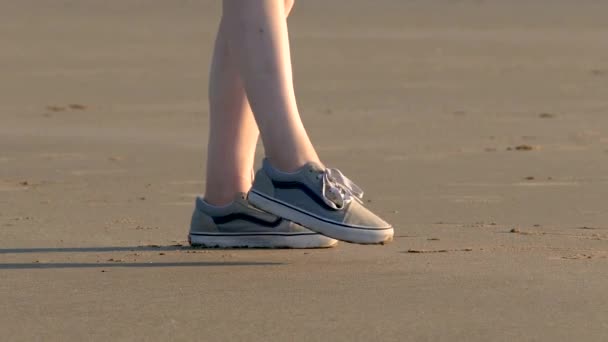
[(320, 199), (240, 225)]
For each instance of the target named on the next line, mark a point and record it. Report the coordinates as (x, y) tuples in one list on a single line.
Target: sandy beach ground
[(478, 128)]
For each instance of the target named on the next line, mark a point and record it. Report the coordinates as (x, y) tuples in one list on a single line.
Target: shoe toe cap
[(358, 215)]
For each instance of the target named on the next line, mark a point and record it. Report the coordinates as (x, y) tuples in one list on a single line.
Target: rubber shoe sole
[(260, 240)]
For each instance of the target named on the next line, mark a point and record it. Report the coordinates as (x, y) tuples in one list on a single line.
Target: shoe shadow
[(29, 266), (104, 249)]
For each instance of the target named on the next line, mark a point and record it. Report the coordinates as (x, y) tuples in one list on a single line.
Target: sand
[(478, 128)]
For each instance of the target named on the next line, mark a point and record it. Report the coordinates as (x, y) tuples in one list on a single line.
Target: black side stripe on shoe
[(316, 216), (248, 218), (301, 187)]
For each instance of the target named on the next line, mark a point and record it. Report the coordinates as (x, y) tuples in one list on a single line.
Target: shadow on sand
[(29, 266), (104, 249)]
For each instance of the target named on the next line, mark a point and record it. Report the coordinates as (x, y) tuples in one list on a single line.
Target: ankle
[(218, 200), (293, 163), (223, 197), (221, 190)]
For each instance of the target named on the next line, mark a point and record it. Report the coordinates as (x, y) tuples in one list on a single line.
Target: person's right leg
[(293, 184), (256, 31), (233, 132)]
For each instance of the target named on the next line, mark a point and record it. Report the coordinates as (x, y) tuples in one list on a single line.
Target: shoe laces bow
[(338, 190)]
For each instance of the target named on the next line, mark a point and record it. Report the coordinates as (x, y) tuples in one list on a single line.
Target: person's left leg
[(233, 132), (224, 218)]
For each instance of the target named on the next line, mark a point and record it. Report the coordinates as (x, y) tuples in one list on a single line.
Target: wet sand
[(478, 128)]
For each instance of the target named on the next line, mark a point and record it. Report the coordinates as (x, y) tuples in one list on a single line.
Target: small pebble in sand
[(77, 106), (55, 108), (524, 148), (529, 178), (418, 251), (515, 230), (161, 253), (427, 251), (546, 115)]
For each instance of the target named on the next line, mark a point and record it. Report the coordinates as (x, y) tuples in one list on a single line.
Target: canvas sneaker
[(240, 225), (320, 199)]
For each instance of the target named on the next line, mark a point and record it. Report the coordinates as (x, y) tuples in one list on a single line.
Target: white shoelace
[(338, 190)]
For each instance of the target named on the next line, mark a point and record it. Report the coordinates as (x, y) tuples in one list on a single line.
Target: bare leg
[(233, 132), (257, 36)]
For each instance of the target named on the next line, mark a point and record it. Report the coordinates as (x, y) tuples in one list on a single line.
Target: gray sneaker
[(240, 225), (320, 199)]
